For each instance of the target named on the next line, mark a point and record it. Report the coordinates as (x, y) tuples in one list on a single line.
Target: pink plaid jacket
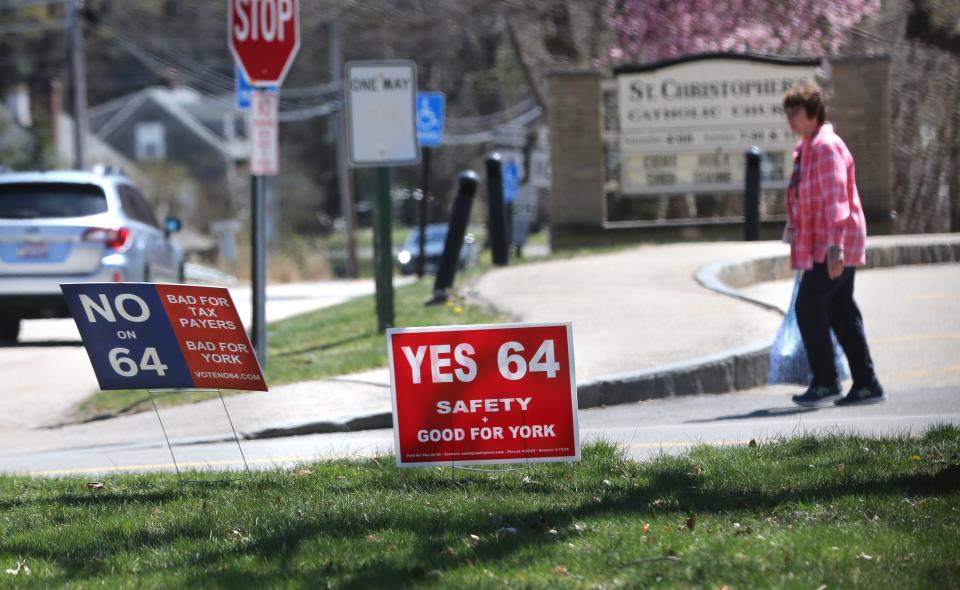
[(823, 208)]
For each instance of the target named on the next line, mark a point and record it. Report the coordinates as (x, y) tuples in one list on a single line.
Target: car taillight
[(113, 239)]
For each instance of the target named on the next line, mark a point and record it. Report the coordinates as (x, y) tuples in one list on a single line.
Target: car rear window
[(48, 199), (434, 234)]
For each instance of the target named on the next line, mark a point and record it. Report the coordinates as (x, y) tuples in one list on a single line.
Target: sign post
[(264, 37), (430, 117), (483, 394), (380, 97)]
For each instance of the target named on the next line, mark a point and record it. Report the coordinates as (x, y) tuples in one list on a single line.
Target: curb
[(733, 370), (367, 422)]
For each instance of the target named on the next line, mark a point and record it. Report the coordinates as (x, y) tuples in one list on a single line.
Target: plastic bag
[(788, 357)]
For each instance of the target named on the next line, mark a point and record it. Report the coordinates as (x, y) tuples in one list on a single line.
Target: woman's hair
[(810, 96)]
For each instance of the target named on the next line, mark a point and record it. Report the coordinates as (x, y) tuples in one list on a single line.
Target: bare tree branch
[(524, 66), (921, 26)]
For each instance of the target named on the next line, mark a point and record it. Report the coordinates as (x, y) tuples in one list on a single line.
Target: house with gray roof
[(203, 135)]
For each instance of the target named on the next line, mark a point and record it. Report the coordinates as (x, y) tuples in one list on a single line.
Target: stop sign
[(264, 38)]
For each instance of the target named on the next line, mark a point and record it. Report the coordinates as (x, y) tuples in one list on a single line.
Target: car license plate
[(33, 251)]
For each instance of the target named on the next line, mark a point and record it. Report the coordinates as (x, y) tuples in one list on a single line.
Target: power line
[(878, 39), (192, 65), (24, 28), (487, 136), (323, 110), (219, 82), (492, 119), (17, 4), (181, 60), (285, 93), (292, 113), (310, 91)]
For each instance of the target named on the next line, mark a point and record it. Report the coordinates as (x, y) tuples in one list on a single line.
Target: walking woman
[(827, 232)]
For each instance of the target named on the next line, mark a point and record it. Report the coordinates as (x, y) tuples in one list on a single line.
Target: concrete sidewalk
[(644, 327)]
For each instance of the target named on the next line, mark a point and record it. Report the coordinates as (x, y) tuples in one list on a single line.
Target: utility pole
[(343, 170), (78, 79)]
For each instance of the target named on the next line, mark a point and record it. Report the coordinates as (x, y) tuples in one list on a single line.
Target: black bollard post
[(751, 195), (456, 230), (497, 211)]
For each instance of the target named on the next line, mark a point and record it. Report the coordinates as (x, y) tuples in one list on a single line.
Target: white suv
[(73, 226)]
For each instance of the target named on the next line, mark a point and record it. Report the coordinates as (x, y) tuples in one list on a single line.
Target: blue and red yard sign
[(148, 336)]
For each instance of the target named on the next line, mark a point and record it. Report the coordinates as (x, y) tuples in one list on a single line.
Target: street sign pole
[(381, 109), (425, 190), (344, 180), (431, 108), (264, 161), (264, 38), (383, 251), (258, 273)]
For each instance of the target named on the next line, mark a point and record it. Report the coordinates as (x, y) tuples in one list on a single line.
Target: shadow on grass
[(429, 553), (286, 551), (78, 498)]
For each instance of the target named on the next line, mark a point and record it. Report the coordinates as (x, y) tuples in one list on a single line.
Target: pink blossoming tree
[(652, 30)]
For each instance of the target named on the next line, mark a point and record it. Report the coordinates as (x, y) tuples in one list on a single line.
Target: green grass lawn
[(344, 338), (839, 512), (333, 341)]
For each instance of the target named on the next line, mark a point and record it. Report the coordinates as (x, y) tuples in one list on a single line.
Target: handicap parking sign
[(511, 172), (244, 90), (430, 113), (511, 180)]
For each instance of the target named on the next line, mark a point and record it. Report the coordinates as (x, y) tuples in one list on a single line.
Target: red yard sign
[(483, 394), (264, 38), (211, 336)]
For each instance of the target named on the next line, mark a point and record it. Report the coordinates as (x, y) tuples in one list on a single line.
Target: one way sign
[(381, 112)]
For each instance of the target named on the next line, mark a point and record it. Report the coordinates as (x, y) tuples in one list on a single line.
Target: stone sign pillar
[(859, 108), (575, 114)]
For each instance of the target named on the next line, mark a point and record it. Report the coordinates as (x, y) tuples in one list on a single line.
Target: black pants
[(824, 303)]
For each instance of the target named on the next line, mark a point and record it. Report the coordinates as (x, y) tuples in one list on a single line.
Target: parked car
[(75, 226), (436, 236)]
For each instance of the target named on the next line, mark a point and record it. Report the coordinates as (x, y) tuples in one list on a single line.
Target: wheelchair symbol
[(427, 120)]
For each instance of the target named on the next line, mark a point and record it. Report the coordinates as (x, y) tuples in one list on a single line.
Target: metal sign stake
[(166, 438)]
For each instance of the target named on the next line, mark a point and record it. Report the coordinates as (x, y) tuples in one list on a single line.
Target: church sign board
[(685, 124)]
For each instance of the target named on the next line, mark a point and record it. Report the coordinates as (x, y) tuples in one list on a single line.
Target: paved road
[(913, 327), (48, 373), (614, 299), (644, 430), (912, 320)]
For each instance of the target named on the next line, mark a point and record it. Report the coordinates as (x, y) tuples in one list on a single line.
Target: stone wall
[(859, 107), (576, 150)]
